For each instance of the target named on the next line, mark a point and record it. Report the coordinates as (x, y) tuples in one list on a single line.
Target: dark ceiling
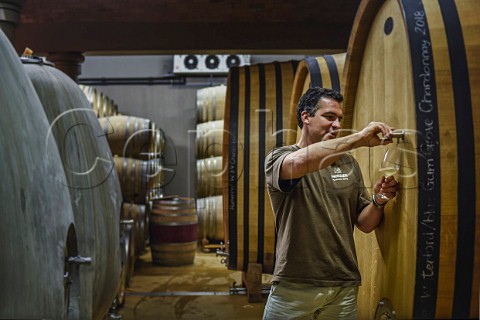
[(182, 26)]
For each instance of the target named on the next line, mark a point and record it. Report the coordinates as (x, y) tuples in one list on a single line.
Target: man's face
[(325, 125)]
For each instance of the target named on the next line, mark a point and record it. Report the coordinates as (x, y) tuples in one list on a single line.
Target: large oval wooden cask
[(416, 66), (325, 71), (256, 120), (91, 179), (37, 231)]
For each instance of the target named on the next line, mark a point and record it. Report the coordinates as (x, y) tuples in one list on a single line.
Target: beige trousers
[(289, 300)]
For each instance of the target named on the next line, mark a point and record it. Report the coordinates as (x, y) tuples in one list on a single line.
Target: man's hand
[(387, 186), (370, 134)]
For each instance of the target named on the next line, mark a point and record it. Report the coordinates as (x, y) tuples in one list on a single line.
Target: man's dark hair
[(309, 101)]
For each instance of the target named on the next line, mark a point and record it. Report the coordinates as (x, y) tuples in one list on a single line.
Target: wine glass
[(390, 165)]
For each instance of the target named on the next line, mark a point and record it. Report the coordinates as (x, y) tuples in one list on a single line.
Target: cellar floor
[(204, 290)]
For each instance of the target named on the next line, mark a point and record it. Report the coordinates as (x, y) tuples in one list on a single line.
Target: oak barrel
[(325, 71), (209, 140), (173, 231), (129, 137), (210, 218), (133, 175), (158, 143), (415, 65), (156, 178), (102, 105), (209, 177), (211, 103), (139, 214), (37, 231), (127, 251), (256, 120), (90, 93)]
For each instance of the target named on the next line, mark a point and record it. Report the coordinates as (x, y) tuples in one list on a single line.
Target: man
[(317, 193)]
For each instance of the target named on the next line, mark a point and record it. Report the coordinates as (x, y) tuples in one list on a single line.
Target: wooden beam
[(177, 38)]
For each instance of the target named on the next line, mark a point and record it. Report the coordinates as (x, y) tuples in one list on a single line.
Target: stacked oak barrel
[(137, 145), (103, 105), (209, 148)]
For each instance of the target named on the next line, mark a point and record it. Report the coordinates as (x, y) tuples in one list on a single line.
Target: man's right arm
[(322, 154)]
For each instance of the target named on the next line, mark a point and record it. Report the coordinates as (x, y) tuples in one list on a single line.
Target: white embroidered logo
[(338, 175)]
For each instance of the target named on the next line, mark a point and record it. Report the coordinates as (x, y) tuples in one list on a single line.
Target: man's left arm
[(371, 216)]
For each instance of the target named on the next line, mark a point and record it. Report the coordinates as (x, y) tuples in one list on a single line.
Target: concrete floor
[(198, 291)]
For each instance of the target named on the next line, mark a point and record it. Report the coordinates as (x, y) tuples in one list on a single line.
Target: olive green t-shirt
[(314, 221)]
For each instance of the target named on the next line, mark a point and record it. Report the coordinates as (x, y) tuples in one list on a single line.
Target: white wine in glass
[(390, 165), (389, 171)]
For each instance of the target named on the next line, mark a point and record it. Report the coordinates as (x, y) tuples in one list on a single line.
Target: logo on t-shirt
[(338, 175)]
